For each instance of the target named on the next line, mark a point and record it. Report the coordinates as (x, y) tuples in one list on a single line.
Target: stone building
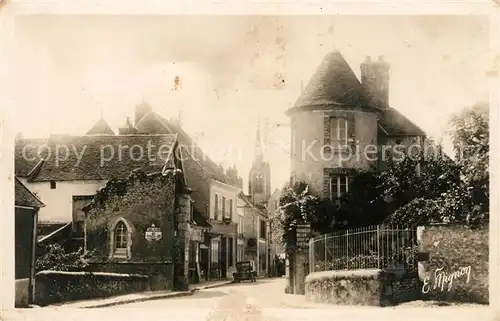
[(213, 194), (340, 125)]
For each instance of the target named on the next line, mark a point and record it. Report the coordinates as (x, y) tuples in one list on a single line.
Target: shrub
[(56, 258)]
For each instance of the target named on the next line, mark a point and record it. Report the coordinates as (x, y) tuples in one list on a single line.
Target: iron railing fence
[(370, 247)]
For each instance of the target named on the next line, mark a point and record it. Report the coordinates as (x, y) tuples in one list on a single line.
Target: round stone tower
[(334, 125)]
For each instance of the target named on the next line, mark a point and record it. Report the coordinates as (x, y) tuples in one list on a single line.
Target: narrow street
[(265, 293), (266, 300)]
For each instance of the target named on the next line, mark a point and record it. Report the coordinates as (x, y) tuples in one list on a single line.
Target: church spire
[(259, 157)]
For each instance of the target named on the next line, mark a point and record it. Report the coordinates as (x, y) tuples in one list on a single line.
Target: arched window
[(121, 240), (120, 236)]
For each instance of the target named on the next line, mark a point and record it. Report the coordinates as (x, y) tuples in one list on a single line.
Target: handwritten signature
[(442, 278)]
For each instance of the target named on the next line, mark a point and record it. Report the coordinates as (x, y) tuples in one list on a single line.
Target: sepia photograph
[(251, 167)]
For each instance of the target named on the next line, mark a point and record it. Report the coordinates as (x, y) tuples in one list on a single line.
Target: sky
[(235, 71)]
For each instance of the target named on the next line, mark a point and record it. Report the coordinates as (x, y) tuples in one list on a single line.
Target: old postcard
[(196, 165)]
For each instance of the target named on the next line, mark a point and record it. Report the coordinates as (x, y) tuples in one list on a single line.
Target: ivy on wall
[(142, 199)]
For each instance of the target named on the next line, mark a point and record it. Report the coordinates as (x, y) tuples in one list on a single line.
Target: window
[(215, 251), (52, 185), (191, 211), (121, 240), (216, 206), (338, 130), (231, 209), (258, 183), (230, 252), (223, 207), (262, 229), (339, 185), (240, 224)]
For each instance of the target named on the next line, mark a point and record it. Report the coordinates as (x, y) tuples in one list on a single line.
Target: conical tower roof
[(101, 128), (333, 83)]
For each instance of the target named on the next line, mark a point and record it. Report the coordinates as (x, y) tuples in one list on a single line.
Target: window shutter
[(351, 129), (326, 130)]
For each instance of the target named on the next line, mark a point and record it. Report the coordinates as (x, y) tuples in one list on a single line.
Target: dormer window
[(52, 185)]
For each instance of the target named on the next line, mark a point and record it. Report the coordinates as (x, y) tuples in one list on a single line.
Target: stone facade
[(132, 215), (314, 157), (451, 249)]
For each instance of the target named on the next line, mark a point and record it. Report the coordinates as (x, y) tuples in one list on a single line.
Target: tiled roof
[(333, 83), (25, 155), (24, 197), (199, 220), (394, 123), (154, 123), (92, 157), (101, 128)]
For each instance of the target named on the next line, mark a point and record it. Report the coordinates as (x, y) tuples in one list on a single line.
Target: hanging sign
[(153, 233), (303, 235)]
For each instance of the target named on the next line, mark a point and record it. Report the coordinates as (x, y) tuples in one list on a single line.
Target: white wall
[(229, 193), (59, 201)]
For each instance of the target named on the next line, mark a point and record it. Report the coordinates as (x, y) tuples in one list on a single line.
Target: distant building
[(259, 179), (253, 237)]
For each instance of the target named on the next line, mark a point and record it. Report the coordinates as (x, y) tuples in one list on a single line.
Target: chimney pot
[(368, 59), (381, 59)]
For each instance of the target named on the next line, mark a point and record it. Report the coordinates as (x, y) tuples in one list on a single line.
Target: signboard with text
[(153, 233), (303, 233)]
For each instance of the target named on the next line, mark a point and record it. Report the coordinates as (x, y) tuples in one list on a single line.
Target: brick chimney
[(375, 81), (140, 110)]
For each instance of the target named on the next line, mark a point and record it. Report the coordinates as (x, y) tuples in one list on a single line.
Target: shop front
[(222, 250)]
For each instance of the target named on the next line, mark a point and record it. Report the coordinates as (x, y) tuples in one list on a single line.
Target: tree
[(470, 137), (394, 194), (364, 204), (455, 191), (297, 206)]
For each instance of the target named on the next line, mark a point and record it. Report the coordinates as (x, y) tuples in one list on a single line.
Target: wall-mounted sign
[(153, 233), (197, 235), (303, 235)]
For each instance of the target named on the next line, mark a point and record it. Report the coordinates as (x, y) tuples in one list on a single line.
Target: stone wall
[(57, 286), (161, 274), (454, 249), (361, 287)]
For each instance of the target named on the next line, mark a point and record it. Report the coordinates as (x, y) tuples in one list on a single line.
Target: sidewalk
[(138, 297)]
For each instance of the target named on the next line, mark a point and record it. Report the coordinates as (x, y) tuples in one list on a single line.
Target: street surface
[(264, 300)]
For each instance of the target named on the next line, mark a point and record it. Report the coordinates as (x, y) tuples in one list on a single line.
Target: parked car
[(245, 270)]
